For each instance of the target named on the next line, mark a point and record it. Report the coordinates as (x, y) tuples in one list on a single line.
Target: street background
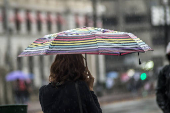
[(121, 84)]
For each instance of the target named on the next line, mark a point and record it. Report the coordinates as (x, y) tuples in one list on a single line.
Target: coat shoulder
[(83, 84), (165, 69), (42, 88)]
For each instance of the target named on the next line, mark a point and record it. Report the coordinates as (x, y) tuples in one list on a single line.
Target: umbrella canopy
[(86, 40), (17, 75), (112, 74)]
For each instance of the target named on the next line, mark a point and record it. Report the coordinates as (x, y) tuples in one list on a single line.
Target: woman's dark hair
[(67, 67), (168, 57)]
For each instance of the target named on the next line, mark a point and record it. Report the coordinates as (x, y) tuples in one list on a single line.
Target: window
[(77, 21), (17, 20), (49, 21), (28, 20), (86, 20), (110, 21), (39, 21), (59, 22), (135, 18)]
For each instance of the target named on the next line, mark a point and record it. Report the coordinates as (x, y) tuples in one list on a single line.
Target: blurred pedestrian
[(16, 91), (163, 86), (27, 91), (21, 92), (71, 87)]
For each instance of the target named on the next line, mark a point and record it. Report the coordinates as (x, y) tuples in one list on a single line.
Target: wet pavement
[(34, 107), (136, 105), (145, 105)]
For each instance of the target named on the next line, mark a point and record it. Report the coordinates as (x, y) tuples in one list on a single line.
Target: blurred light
[(143, 76), (149, 65), (131, 72)]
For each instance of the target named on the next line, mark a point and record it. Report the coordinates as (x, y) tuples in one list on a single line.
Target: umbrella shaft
[(86, 59)]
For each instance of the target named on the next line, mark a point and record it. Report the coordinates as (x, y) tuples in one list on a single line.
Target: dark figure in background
[(27, 91), (163, 86), (16, 91), (21, 92), (60, 95)]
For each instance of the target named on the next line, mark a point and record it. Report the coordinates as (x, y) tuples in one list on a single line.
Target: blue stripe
[(29, 48)]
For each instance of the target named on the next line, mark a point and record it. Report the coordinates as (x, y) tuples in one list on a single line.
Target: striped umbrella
[(86, 40)]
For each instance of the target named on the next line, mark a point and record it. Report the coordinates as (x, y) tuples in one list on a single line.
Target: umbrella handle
[(139, 59), (86, 59)]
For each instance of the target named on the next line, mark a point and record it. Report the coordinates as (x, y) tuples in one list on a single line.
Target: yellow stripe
[(93, 43), (75, 43), (98, 40), (84, 43), (119, 41), (116, 39), (79, 42)]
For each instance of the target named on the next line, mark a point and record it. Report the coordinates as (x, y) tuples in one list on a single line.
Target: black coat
[(64, 99), (163, 89)]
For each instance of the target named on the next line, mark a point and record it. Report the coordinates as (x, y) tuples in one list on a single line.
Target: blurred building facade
[(135, 16), (32, 19)]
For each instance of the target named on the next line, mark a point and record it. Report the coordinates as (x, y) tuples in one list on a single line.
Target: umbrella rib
[(136, 41), (95, 39), (97, 44)]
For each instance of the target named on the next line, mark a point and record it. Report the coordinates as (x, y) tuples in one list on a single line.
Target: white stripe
[(79, 48), (75, 48), (36, 49), (62, 49)]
